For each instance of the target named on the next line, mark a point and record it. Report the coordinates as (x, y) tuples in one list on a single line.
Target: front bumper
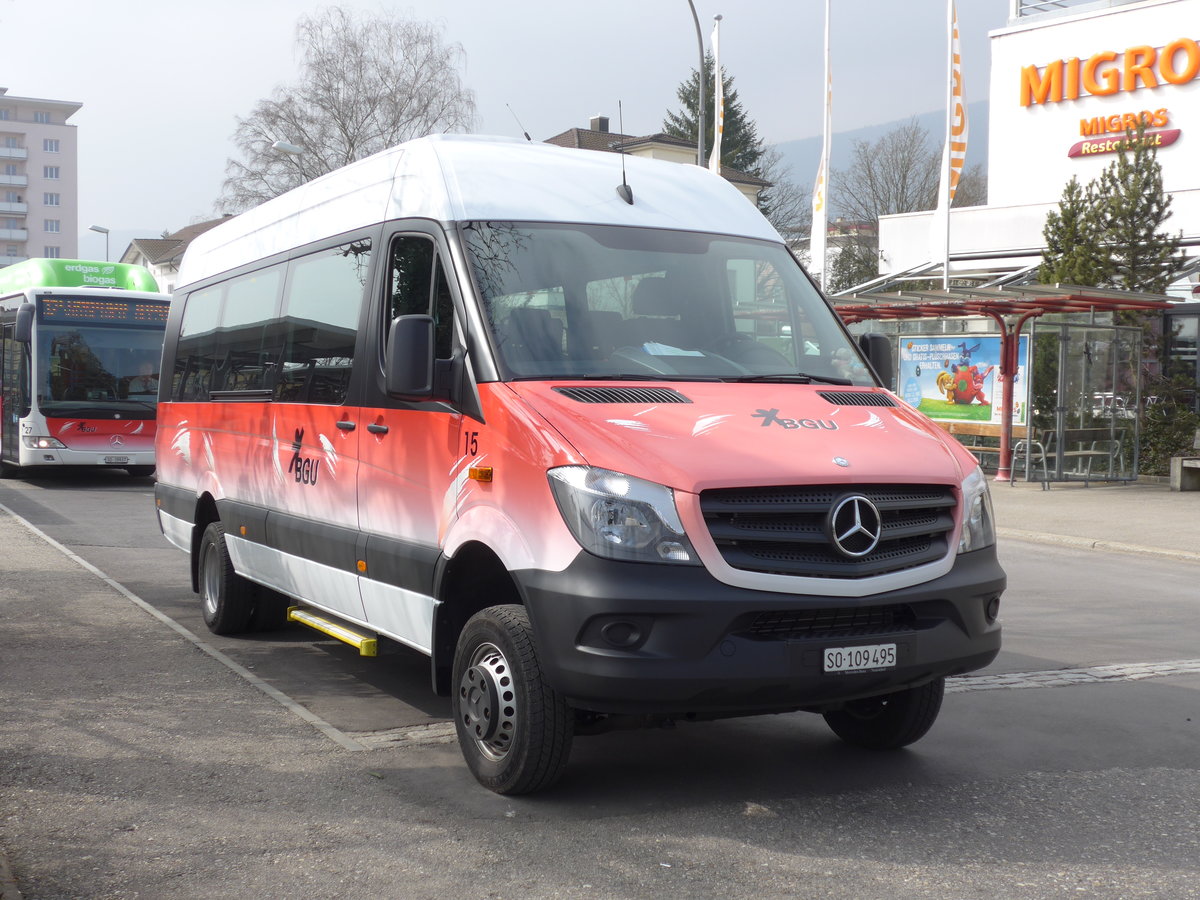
[(630, 638)]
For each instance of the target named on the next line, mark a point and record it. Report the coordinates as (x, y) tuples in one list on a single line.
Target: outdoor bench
[(1185, 470)]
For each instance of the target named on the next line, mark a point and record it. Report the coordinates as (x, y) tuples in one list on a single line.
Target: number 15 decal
[(470, 442)]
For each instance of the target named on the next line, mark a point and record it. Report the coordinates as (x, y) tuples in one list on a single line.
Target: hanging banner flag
[(714, 160), (954, 152), (820, 217)]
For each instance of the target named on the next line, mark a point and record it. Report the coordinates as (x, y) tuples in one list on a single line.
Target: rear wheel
[(226, 598), (891, 720), (515, 731)]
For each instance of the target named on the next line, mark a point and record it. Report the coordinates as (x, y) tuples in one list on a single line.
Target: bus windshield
[(97, 371), (582, 301)]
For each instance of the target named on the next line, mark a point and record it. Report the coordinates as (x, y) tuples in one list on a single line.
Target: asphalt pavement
[(39, 584)]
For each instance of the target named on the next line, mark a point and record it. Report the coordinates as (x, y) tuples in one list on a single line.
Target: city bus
[(80, 344)]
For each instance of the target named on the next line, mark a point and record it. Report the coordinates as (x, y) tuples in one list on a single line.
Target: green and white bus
[(80, 347)]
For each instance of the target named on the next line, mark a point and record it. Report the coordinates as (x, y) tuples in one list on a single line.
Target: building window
[(50, 172), (10, 169), (3, 115), (12, 224), (42, 118), (12, 197), (50, 145), (52, 226), (11, 250), (49, 199), (53, 252), (12, 143)]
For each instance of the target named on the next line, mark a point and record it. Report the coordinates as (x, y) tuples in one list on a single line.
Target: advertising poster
[(957, 377)]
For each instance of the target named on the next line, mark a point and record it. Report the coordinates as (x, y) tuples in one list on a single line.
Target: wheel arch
[(473, 579), (206, 513)]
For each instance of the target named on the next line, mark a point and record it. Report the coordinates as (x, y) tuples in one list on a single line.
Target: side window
[(247, 344), (320, 322), (417, 286), (195, 358)]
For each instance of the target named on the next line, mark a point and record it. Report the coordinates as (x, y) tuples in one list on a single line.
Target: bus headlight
[(42, 442), (621, 517), (979, 523)]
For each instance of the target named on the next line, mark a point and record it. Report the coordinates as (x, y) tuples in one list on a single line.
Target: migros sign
[(1108, 72)]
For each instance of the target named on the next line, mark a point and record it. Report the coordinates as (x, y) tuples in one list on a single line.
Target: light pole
[(700, 81), (100, 229)]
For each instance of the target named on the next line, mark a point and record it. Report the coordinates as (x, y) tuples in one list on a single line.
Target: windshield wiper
[(621, 376), (791, 377)]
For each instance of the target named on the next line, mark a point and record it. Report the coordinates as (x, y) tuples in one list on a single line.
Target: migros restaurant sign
[(1107, 73)]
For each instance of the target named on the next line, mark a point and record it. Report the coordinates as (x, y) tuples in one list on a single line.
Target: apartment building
[(39, 179)]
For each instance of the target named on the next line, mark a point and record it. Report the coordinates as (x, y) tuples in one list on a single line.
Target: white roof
[(469, 177)]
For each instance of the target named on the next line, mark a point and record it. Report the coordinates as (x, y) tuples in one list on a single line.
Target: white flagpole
[(714, 161), (820, 218), (954, 152)]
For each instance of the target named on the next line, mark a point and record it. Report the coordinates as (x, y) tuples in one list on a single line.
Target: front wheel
[(514, 730), (891, 720), (226, 598)]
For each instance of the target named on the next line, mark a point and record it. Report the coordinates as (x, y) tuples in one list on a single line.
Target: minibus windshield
[(602, 301)]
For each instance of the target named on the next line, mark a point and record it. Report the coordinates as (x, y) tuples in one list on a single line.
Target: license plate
[(116, 460), (860, 659)]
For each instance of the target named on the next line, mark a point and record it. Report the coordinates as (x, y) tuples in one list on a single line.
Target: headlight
[(42, 442), (979, 523), (621, 517)]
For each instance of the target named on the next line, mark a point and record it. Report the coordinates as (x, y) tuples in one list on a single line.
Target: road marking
[(1069, 677)]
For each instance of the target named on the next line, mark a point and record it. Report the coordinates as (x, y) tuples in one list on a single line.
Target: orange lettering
[(1160, 118), (1044, 87), (1107, 82), (1114, 123), (1166, 62), (1072, 92), (1138, 67), (1088, 127)]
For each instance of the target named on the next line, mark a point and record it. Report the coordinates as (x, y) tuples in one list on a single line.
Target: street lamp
[(700, 80), (285, 147), (100, 229)]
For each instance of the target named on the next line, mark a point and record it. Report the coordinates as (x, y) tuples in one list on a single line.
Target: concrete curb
[(1038, 537), (8, 884)]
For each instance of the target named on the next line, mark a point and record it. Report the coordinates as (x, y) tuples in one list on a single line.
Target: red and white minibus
[(580, 429)]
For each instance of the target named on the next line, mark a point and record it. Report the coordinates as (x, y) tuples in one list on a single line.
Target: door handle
[(346, 426), (377, 429)]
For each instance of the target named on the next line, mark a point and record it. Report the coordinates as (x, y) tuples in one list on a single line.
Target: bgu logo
[(772, 417), (305, 470)]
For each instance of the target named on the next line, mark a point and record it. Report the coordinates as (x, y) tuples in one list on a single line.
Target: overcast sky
[(162, 83)]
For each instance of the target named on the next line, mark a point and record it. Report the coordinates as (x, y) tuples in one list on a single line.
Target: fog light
[(991, 609), (622, 634)]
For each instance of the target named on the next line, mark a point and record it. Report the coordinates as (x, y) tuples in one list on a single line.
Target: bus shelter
[(1011, 308)]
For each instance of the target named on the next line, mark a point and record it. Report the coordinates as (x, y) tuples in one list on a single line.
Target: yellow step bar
[(366, 642)]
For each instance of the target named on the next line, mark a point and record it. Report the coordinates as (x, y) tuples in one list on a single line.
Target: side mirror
[(408, 371), (878, 350), (23, 331)]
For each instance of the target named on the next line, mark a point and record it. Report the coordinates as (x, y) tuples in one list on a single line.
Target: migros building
[(1067, 81)]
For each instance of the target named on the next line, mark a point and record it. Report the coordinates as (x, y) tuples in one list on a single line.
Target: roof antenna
[(519, 125), (624, 191)]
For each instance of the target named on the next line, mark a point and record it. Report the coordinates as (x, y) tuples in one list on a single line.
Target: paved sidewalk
[(1141, 517)]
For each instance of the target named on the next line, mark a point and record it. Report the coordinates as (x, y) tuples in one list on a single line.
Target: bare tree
[(367, 82), (786, 204)]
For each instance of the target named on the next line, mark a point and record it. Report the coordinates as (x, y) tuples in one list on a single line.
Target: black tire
[(9, 471), (514, 730), (890, 721), (227, 599), (139, 471)]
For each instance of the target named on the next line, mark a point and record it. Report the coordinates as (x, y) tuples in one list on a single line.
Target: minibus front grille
[(787, 530), (622, 395), (851, 622), (857, 398)]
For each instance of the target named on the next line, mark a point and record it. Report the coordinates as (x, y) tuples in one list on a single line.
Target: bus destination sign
[(102, 310)]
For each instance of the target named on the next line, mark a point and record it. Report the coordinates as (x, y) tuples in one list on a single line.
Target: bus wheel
[(227, 598), (515, 731), (891, 720), (7, 471)]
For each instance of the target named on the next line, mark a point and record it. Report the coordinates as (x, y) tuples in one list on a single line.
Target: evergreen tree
[(741, 147), (1132, 211), (1073, 235)]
